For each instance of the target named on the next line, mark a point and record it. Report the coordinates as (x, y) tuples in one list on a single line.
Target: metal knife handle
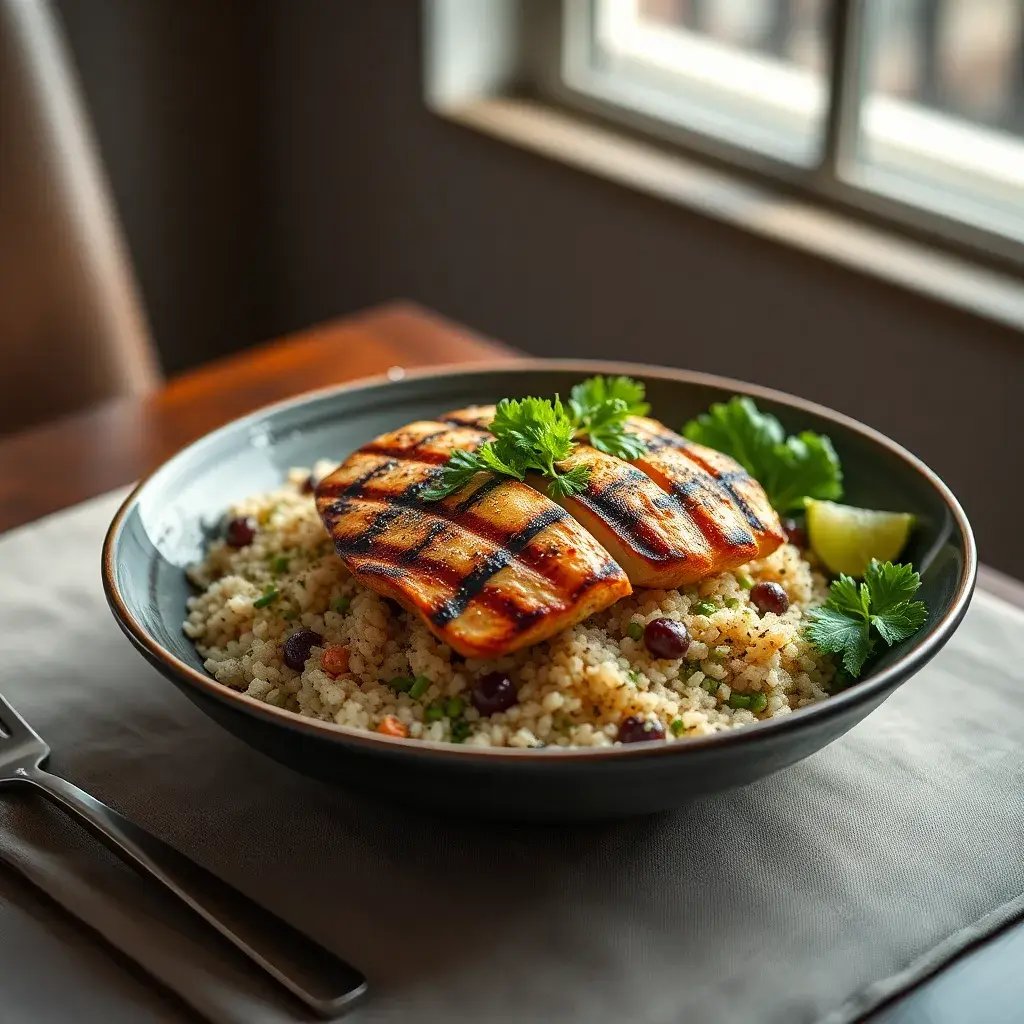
[(324, 982)]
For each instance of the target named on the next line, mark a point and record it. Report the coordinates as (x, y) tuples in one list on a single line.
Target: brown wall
[(174, 89), (305, 178)]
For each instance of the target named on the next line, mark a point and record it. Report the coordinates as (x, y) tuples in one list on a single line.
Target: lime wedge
[(847, 538)]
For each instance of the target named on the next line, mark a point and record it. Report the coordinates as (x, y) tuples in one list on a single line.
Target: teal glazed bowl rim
[(932, 637)]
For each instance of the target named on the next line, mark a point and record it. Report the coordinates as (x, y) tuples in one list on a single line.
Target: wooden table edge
[(75, 457)]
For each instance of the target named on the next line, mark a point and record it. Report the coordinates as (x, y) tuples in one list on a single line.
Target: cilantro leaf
[(890, 585), (595, 392), (599, 407), (806, 466), (893, 614), (614, 439), (571, 482), (900, 623), (788, 468), (535, 427), (531, 435), (460, 468), (835, 632), (844, 624), (497, 458), (739, 429), (534, 433), (846, 597)]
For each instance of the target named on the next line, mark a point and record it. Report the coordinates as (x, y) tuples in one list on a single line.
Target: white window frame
[(905, 133), (496, 67)]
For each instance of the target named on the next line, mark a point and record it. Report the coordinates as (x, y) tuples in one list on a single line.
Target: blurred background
[(818, 195)]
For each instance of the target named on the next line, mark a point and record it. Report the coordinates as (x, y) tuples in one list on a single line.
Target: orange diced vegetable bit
[(335, 660), (392, 726)]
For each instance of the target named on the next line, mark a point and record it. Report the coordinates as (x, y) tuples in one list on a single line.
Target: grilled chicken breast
[(677, 514), (647, 531), (493, 567), (726, 501)]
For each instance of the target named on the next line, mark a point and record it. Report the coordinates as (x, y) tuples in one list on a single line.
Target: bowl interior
[(181, 505)]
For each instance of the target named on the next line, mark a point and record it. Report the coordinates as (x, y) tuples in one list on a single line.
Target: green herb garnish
[(400, 684), (534, 435), (460, 730), (705, 608), (758, 702), (745, 581), (732, 602), (711, 685), (530, 435), (342, 605), (848, 621), (269, 596), (635, 631), (434, 712), (600, 407), (677, 727), (454, 707), (789, 469), (280, 564)]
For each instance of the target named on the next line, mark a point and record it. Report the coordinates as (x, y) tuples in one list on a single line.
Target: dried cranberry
[(240, 531), (666, 638), (636, 729), (494, 692), (298, 646), (769, 597), (795, 533)]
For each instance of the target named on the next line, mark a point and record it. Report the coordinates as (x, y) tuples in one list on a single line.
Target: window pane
[(942, 120), (752, 72)]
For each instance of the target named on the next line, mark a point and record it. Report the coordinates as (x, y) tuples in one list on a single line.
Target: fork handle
[(324, 982)]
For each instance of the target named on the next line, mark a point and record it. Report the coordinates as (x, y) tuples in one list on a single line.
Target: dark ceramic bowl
[(164, 523)]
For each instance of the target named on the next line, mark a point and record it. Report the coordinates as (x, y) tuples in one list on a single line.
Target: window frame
[(565, 74)]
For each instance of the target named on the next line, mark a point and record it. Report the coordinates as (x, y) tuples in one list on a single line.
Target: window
[(738, 72), (912, 110), (941, 118)]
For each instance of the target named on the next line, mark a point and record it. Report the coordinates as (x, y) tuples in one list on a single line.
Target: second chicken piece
[(675, 515)]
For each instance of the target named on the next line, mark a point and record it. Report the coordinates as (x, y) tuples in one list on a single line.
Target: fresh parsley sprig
[(789, 469), (848, 621), (600, 406), (540, 433), (462, 466), (530, 435), (534, 435)]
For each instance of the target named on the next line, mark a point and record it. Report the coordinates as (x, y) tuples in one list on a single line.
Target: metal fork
[(325, 983)]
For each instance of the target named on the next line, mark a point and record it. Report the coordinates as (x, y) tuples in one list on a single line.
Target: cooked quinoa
[(573, 690)]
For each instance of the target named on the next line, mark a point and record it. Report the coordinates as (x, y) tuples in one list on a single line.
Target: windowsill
[(758, 208)]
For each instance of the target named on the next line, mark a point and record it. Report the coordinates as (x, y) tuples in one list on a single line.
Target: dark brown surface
[(56, 465)]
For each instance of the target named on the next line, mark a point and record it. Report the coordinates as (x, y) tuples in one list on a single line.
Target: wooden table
[(79, 456), (56, 465)]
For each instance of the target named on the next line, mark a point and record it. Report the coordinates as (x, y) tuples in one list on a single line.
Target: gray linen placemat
[(811, 896)]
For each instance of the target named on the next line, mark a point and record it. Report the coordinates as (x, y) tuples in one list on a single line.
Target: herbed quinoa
[(379, 668)]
